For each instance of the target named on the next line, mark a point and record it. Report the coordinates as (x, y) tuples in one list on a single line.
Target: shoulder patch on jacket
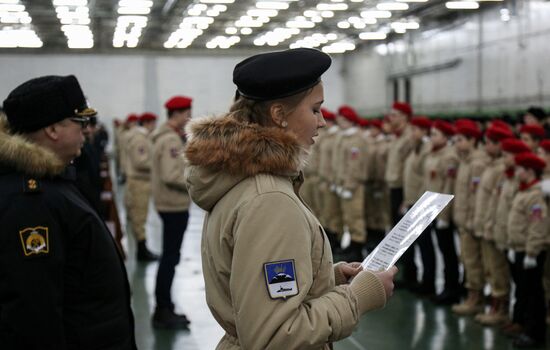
[(35, 241), (280, 279), (536, 212)]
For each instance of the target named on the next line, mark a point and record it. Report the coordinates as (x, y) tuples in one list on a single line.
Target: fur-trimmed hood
[(24, 156), (222, 151)]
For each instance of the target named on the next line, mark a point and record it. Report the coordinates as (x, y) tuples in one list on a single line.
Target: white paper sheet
[(407, 230)]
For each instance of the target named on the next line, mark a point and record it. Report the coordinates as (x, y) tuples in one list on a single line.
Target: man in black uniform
[(63, 285)]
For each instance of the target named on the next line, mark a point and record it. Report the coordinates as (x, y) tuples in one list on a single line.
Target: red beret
[(496, 133), (534, 130), (377, 123), (328, 115), (132, 118), (545, 145), (148, 117), (178, 102), (468, 128), (500, 124), (403, 107), (364, 122), (514, 146), (348, 113), (422, 122), (530, 160), (445, 127)]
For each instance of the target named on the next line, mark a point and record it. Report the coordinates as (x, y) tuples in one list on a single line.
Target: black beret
[(43, 101), (279, 74), (537, 112)]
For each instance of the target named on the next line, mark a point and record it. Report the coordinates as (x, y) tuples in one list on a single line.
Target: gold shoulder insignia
[(35, 240), (31, 185)]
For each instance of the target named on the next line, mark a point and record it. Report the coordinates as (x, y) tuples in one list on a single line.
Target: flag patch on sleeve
[(280, 278)]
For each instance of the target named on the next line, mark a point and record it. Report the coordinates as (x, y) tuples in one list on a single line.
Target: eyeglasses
[(83, 121)]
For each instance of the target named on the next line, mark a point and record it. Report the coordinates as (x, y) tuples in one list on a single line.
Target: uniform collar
[(524, 186)]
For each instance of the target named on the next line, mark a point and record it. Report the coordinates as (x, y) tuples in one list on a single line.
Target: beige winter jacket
[(485, 202), (139, 149), (326, 151), (440, 168), (167, 175), (413, 176), (470, 168), (353, 156), (506, 190), (398, 151), (527, 224), (246, 177)]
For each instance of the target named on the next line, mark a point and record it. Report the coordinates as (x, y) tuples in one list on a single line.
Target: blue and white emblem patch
[(280, 278)]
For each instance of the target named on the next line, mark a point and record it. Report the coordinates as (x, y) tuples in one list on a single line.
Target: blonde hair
[(258, 112)]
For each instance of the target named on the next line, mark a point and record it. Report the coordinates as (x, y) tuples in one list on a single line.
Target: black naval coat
[(63, 284)]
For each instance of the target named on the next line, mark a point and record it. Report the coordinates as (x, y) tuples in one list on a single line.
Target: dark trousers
[(407, 264), (427, 252), (174, 225), (446, 243), (530, 306)]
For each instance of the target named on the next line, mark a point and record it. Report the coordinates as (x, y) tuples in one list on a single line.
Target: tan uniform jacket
[(383, 143), (398, 151), (313, 163), (492, 205), (470, 168), (413, 177), (124, 150), (337, 161), (440, 167), (168, 165), (255, 220), (485, 204), (326, 151), (527, 229), (507, 189), (139, 154), (353, 155)]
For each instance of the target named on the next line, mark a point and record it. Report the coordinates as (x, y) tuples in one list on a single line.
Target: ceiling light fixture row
[(74, 16), (131, 21), (196, 19), (15, 26)]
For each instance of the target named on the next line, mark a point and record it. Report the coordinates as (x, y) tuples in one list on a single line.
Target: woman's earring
[(284, 124)]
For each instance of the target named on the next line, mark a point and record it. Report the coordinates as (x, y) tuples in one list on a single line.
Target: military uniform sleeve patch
[(35, 241), (355, 152), (536, 212), (280, 279), (451, 172), (174, 152)]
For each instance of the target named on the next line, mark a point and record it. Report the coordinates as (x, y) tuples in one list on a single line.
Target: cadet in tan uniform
[(413, 188), (499, 273), (138, 185), (172, 203), (532, 135), (377, 205), (352, 174), (527, 241), (472, 163), (544, 153), (270, 281), (398, 151), (440, 167), (131, 122), (331, 214)]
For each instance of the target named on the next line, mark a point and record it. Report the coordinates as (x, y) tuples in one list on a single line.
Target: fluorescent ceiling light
[(135, 3), (372, 36), (376, 14), (332, 7), (133, 10), (262, 12), (462, 5), (70, 2), (217, 1)]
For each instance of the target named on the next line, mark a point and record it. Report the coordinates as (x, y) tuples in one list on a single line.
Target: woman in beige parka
[(267, 264)]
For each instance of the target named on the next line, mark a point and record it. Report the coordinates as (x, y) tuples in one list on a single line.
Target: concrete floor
[(406, 323)]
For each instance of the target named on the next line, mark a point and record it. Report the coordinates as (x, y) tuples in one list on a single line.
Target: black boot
[(143, 254), (353, 253), (165, 318)]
